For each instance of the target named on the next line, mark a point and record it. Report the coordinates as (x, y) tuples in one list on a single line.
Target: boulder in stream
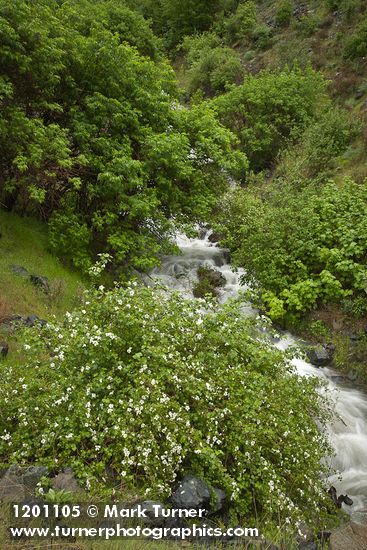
[(320, 356)]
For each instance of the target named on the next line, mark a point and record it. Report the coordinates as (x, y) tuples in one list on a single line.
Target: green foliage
[(320, 146), (356, 45), (212, 67), (262, 36), (185, 18), (145, 384), (93, 137), (241, 25), (268, 108), (302, 247), (24, 242), (284, 13), (348, 8)]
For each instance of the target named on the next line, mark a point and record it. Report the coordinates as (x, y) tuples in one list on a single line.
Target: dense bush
[(241, 24), (92, 135), (284, 13), (320, 146), (211, 66), (301, 247), (145, 383), (356, 45), (268, 108)]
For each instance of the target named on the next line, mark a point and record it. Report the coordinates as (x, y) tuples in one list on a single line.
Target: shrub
[(215, 70), (92, 131), (268, 108), (141, 381), (356, 45), (301, 247), (241, 24), (284, 13), (320, 146)]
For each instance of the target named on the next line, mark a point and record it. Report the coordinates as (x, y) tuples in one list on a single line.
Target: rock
[(333, 496), (152, 519), (215, 237), (338, 379), (65, 481), (20, 270), (359, 94), (347, 500), (352, 375), (41, 282), (31, 320), (339, 500), (191, 493), (18, 483), (33, 475), (319, 356), (353, 536), (4, 348), (212, 275), (179, 271)]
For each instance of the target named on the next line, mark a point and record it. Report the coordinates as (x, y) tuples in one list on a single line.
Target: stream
[(347, 435)]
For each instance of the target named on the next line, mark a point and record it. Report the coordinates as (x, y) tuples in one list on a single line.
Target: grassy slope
[(23, 242)]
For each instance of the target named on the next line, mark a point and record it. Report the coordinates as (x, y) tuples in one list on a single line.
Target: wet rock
[(41, 282), (319, 356), (213, 276), (333, 496), (191, 493), (179, 271), (20, 270), (4, 348), (339, 500), (345, 499), (338, 379), (215, 237), (353, 536), (65, 481)]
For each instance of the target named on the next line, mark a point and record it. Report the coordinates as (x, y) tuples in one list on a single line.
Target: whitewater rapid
[(348, 435)]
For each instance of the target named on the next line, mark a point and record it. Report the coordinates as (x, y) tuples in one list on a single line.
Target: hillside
[(124, 123)]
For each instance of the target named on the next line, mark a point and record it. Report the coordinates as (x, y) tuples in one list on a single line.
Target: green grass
[(23, 242)]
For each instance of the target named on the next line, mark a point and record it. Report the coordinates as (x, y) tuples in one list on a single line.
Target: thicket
[(302, 247), (93, 137), (145, 384), (211, 66), (269, 109)]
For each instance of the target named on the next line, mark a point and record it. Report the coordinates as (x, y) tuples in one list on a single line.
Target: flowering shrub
[(150, 385)]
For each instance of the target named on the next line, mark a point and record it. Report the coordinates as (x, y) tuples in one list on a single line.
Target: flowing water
[(349, 434)]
